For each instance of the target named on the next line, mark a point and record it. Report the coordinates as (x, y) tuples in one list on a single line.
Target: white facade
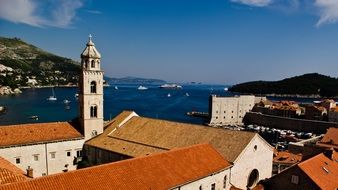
[(45, 158), (229, 110), (91, 92), (220, 180), (258, 155)]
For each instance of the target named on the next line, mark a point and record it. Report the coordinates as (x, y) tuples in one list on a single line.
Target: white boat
[(142, 88), (76, 95), (187, 94), (66, 101), (171, 86), (34, 117), (116, 88), (225, 89), (53, 97), (168, 95)]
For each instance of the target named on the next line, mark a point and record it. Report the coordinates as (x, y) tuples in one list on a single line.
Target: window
[(255, 147), (213, 186), (201, 188), (78, 153), (93, 87), (69, 153), (225, 182), (52, 155), (253, 178), (93, 111), (94, 133), (17, 160), (86, 65), (93, 64), (294, 179), (36, 157)]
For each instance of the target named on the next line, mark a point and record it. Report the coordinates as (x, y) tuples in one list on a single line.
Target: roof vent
[(326, 170)]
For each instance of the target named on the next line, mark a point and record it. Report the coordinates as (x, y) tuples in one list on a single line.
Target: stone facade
[(45, 158), (91, 92), (229, 110), (255, 160)]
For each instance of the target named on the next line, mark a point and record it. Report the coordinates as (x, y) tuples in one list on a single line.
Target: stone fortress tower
[(91, 92)]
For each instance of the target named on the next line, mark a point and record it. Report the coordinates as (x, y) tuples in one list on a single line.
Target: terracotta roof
[(330, 139), (140, 136), (159, 171), (322, 170), (37, 132), (10, 173), (285, 157)]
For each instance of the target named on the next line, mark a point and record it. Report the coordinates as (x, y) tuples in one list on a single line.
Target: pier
[(204, 115)]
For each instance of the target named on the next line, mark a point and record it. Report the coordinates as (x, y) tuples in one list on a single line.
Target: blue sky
[(209, 41)]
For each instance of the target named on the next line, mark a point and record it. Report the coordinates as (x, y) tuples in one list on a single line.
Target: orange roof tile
[(10, 173), (140, 136), (37, 132), (284, 157), (158, 171), (330, 138), (322, 170)]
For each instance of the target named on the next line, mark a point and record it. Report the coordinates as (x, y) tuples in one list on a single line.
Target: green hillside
[(30, 62), (307, 84)]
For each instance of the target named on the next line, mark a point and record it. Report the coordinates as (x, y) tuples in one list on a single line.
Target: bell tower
[(91, 91)]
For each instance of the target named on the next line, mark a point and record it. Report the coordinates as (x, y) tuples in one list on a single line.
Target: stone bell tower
[(91, 91)]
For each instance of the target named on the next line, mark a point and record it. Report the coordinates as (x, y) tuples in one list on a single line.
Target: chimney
[(329, 153), (29, 172)]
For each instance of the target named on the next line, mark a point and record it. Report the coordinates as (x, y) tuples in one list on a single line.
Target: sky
[(208, 41)]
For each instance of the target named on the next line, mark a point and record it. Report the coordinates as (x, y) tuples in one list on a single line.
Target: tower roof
[(90, 51)]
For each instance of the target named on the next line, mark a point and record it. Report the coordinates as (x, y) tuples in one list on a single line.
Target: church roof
[(141, 136), (159, 171), (90, 51), (9, 173), (24, 134)]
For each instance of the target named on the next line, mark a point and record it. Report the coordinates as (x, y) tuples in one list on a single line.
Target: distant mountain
[(27, 64), (313, 84), (134, 80)]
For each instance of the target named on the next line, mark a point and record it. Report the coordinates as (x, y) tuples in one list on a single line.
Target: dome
[(90, 51)]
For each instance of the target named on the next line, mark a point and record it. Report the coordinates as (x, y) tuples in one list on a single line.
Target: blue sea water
[(153, 103)]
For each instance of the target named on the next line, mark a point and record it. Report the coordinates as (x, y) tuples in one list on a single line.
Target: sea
[(153, 102)]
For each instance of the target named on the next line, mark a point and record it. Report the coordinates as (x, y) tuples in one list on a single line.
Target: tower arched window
[(93, 64), (93, 87), (86, 64), (93, 111)]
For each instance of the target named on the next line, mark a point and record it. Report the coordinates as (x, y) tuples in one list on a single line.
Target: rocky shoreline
[(6, 90)]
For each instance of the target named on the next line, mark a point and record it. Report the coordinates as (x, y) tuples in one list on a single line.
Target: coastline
[(314, 96)]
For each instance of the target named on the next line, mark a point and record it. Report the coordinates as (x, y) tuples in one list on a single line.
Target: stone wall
[(312, 126)]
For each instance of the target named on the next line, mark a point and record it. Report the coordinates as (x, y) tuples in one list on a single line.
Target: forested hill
[(21, 63), (307, 84)]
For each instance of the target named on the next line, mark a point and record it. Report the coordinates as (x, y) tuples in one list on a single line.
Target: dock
[(204, 115)]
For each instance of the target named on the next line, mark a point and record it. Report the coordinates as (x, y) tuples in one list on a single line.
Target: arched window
[(200, 188), (93, 111), (225, 182), (253, 178), (93, 87), (93, 64), (86, 64)]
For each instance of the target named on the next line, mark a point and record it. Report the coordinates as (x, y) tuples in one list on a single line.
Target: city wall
[(277, 122)]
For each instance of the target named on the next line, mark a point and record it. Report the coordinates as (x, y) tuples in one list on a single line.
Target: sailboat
[(53, 97)]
